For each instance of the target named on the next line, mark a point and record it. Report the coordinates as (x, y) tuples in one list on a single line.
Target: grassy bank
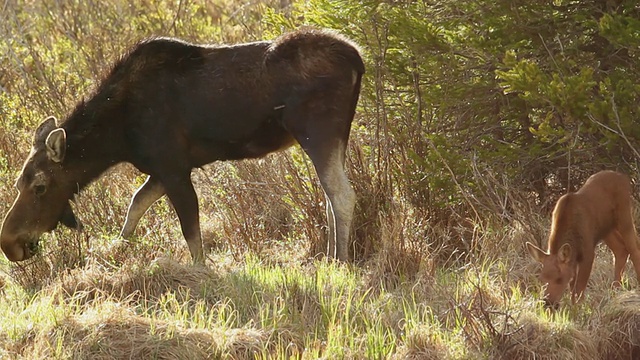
[(121, 306)]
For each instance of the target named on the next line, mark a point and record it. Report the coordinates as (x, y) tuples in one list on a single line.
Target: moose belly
[(264, 140)]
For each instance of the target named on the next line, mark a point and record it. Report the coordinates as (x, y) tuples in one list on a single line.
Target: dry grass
[(135, 283), (539, 338), (251, 206), (112, 330), (617, 328), (166, 309), (427, 342)]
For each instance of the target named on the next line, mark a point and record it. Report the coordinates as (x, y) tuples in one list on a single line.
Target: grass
[(422, 288), (165, 309), (91, 295)]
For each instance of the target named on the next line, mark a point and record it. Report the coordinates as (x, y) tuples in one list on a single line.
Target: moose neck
[(94, 140)]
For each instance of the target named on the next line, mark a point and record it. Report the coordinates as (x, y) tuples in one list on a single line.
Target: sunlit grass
[(321, 309)]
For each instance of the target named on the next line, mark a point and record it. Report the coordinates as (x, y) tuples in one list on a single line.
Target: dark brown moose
[(600, 210), (169, 106)]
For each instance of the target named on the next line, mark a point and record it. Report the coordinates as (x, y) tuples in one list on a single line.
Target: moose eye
[(39, 189)]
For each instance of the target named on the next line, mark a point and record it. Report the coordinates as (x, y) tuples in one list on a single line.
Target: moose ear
[(47, 126), (564, 254), (56, 145), (536, 252)]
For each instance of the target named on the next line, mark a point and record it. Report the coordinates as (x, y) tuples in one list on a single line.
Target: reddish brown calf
[(600, 210)]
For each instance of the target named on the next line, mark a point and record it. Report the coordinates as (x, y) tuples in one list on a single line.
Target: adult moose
[(169, 106), (600, 210)]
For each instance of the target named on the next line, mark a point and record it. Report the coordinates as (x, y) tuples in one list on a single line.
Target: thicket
[(469, 95), (477, 112)]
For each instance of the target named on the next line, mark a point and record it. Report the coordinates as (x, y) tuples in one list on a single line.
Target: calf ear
[(564, 254), (56, 145), (536, 252)]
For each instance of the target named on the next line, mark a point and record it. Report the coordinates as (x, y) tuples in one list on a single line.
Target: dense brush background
[(475, 116)]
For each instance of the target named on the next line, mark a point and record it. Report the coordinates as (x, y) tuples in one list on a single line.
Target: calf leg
[(582, 277), (146, 195), (182, 195), (620, 255), (630, 239)]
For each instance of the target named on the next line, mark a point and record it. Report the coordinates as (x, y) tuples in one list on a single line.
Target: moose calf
[(600, 210)]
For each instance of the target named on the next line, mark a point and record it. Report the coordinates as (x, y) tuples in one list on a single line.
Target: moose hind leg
[(319, 118), (341, 198), (146, 195), (331, 226)]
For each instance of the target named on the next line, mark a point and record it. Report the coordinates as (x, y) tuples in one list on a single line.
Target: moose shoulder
[(600, 210), (169, 106)]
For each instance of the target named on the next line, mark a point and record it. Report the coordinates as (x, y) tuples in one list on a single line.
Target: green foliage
[(621, 29), (501, 84), (56, 52)]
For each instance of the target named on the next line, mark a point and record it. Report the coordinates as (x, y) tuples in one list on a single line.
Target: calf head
[(557, 271), (44, 193)]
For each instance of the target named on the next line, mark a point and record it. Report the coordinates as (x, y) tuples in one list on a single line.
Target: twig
[(619, 132), (453, 177)]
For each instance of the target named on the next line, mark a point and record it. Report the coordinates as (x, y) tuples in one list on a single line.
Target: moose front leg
[(182, 195), (147, 194)]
